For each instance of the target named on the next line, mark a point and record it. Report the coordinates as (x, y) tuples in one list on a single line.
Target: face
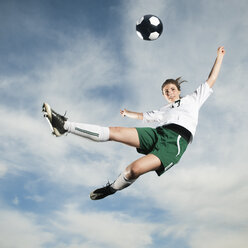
[(171, 93)]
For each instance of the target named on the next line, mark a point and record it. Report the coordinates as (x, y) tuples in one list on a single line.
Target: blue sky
[(85, 58)]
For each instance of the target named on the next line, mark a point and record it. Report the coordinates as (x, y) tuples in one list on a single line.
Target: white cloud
[(3, 170), (20, 230), (220, 238), (103, 229), (202, 198)]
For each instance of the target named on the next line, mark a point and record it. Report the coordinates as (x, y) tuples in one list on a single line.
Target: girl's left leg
[(139, 167)]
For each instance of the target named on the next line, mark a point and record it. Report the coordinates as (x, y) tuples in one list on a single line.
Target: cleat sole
[(48, 116), (47, 110), (47, 113)]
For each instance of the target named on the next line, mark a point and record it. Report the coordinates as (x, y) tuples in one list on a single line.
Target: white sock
[(92, 132), (122, 182)]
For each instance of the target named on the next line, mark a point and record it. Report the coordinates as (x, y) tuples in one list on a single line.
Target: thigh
[(125, 135), (143, 165)]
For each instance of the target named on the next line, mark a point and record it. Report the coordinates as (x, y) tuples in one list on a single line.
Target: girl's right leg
[(92, 132), (60, 125), (128, 136), (125, 135)]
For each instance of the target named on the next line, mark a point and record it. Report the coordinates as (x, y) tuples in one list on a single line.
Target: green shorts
[(165, 144)]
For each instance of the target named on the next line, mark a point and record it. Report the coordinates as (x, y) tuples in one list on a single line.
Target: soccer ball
[(149, 27)]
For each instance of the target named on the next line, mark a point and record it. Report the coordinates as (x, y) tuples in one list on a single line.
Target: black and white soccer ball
[(149, 27)]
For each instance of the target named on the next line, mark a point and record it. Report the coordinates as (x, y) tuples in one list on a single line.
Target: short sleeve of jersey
[(152, 116), (202, 93)]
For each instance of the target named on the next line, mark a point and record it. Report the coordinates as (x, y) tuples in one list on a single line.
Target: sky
[(84, 58)]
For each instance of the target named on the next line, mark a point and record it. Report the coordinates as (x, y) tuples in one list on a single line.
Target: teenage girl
[(163, 146)]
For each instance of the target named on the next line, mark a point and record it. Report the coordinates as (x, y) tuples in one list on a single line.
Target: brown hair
[(177, 82)]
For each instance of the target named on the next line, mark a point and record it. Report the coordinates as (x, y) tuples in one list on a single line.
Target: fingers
[(221, 50), (123, 112)]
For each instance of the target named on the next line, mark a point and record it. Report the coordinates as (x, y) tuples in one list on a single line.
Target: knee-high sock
[(93, 132), (122, 182)]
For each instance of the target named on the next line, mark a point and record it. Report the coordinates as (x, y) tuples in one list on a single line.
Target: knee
[(132, 173), (115, 129), (114, 132)]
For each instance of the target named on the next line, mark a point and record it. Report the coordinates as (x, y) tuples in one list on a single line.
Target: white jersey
[(183, 112)]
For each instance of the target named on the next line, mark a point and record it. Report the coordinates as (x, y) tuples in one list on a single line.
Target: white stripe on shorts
[(168, 167), (178, 145)]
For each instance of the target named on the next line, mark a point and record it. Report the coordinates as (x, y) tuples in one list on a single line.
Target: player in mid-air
[(163, 146)]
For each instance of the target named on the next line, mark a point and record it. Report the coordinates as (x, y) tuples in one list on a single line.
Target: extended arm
[(216, 67), (131, 114)]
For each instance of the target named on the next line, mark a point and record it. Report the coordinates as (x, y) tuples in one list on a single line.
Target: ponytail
[(177, 82)]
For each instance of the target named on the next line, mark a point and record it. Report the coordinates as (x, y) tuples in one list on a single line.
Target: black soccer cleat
[(102, 192), (56, 121)]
